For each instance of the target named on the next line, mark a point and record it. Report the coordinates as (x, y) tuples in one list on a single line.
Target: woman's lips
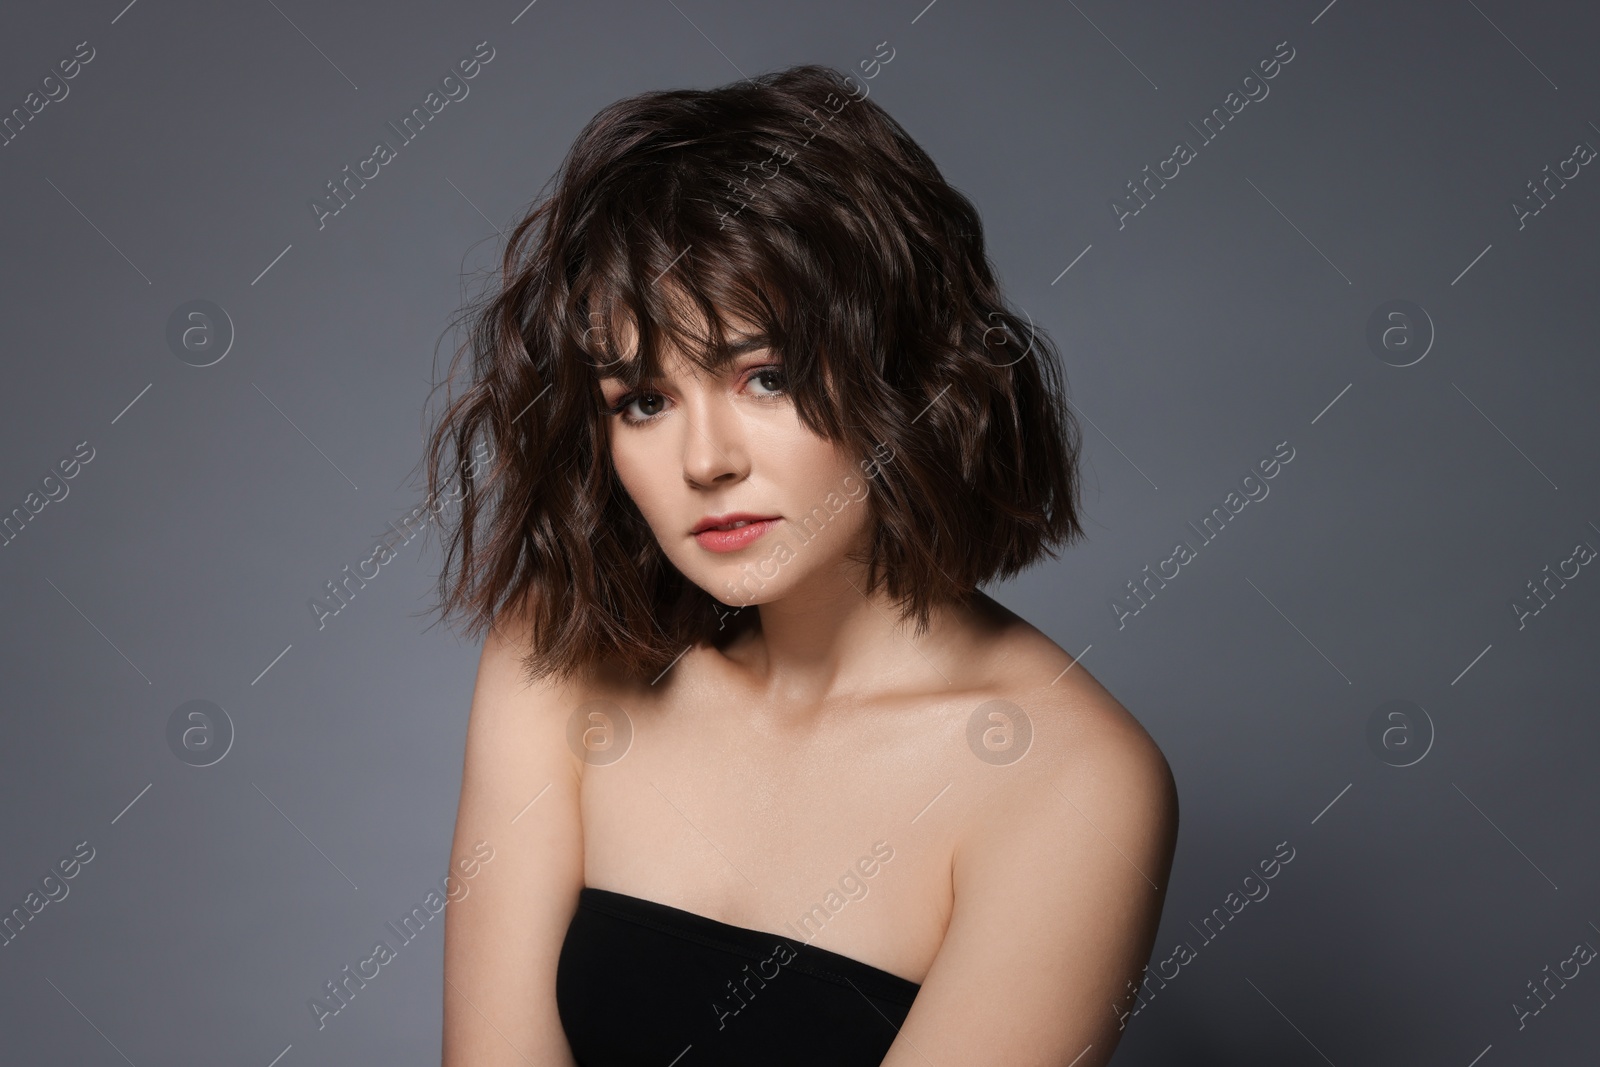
[(736, 538)]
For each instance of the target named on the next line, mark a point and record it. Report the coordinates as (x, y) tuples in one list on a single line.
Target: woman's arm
[(502, 939), (1059, 876)]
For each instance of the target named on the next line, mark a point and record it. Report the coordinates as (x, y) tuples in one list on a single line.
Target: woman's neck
[(831, 640)]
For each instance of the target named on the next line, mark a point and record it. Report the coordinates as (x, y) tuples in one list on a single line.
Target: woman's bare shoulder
[(507, 660), (1024, 666), (1076, 748), (1060, 861)]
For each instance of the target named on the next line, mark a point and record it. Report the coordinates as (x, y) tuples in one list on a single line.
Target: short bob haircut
[(802, 208)]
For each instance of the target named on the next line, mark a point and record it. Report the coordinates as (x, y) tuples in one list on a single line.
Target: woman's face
[(697, 450)]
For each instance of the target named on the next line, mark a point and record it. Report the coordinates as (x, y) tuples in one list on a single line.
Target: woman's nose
[(713, 448)]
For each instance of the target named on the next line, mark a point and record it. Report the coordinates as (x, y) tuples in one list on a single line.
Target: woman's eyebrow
[(749, 343)]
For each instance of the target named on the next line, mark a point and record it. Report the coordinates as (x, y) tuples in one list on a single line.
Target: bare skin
[(740, 811), (1023, 891)]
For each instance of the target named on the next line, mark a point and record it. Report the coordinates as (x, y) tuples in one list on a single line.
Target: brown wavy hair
[(793, 202)]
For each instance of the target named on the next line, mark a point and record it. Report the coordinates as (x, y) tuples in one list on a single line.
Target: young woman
[(767, 777)]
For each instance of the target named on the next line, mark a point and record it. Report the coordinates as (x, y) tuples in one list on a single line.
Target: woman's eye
[(648, 406), (769, 381), (640, 407)]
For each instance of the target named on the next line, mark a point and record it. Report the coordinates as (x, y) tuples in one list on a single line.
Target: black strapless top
[(641, 982)]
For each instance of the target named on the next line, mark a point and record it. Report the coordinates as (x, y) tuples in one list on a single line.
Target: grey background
[(1228, 316)]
